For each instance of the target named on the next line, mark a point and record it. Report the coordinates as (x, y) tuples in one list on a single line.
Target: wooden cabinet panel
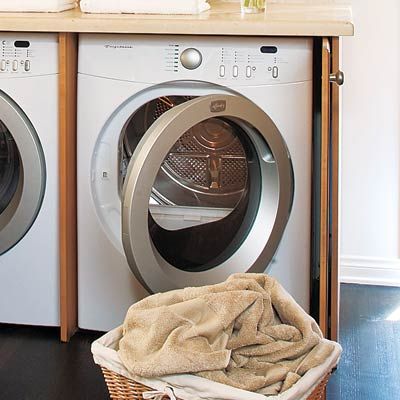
[(329, 190), (68, 57), (334, 198), (324, 190)]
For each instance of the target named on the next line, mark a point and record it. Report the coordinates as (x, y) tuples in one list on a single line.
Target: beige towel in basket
[(247, 332)]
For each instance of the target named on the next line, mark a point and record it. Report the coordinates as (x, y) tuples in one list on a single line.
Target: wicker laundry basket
[(123, 386)]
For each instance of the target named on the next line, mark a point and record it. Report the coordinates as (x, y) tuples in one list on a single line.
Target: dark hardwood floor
[(370, 337), (34, 365)]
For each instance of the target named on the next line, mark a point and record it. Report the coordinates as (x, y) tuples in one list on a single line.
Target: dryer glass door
[(207, 192), (22, 174)]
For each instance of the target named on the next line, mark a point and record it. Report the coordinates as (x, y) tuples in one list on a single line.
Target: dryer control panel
[(28, 54), (229, 61)]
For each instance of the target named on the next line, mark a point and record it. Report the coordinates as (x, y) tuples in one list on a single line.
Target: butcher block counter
[(328, 19)]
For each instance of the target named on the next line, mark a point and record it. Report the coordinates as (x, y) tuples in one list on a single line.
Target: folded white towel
[(145, 6), (36, 5)]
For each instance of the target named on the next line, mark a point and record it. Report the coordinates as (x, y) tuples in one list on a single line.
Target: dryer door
[(22, 174), (208, 193)]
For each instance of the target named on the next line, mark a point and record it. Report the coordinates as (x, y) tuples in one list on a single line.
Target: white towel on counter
[(36, 5), (145, 6)]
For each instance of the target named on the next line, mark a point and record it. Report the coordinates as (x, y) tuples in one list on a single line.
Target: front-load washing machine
[(29, 261), (194, 162)]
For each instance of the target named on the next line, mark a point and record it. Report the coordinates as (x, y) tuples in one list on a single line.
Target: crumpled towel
[(36, 5), (145, 6), (247, 332)]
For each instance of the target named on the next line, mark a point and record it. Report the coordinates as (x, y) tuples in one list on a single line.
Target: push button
[(27, 65), (15, 65), (248, 71), (3, 65), (235, 71), (222, 71), (275, 72)]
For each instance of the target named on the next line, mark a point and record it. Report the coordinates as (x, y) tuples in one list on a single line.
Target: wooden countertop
[(223, 19)]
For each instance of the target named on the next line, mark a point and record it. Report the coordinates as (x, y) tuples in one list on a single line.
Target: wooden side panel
[(334, 250), (68, 56), (324, 190)]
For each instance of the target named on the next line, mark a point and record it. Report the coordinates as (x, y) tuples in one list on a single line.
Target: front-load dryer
[(194, 162), (29, 259)]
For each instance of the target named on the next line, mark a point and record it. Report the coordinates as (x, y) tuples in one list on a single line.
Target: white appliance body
[(29, 265), (118, 74)]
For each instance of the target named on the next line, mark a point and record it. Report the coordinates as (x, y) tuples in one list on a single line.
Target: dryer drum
[(208, 161), (210, 232)]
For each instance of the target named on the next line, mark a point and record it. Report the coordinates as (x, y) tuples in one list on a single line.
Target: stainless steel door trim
[(258, 248), (22, 211)]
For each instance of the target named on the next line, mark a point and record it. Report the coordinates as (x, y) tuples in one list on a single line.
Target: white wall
[(370, 177), (370, 147)]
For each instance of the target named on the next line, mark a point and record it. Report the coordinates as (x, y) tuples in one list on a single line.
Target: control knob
[(191, 58)]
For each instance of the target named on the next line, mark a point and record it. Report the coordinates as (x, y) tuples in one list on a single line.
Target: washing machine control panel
[(250, 63), (28, 54), (238, 61)]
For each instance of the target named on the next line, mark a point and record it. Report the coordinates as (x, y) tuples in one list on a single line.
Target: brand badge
[(218, 106)]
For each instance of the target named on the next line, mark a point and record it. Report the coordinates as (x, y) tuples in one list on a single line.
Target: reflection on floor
[(370, 336), (35, 366)]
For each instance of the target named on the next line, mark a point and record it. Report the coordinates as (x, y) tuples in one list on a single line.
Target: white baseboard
[(370, 271)]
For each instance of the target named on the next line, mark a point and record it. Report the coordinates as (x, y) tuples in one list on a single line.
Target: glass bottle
[(252, 6)]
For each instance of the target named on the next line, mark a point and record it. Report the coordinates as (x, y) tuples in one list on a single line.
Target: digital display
[(268, 49), (22, 44)]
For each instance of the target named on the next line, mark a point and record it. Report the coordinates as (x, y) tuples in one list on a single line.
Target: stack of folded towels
[(145, 6), (36, 5)]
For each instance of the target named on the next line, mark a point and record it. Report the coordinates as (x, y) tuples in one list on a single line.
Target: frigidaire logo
[(218, 106), (118, 46)]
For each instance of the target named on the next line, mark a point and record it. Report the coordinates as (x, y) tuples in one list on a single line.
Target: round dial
[(191, 58)]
